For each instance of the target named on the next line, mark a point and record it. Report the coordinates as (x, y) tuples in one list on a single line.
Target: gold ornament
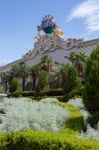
[(58, 32)]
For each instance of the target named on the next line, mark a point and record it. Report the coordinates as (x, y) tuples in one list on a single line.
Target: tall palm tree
[(34, 69), (79, 61), (23, 72)]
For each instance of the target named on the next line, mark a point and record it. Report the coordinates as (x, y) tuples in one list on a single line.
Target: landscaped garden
[(51, 107)]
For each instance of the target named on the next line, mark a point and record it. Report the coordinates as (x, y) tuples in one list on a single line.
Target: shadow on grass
[(75, 123)]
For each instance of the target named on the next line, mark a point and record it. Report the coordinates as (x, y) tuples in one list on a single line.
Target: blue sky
[(19, 20)]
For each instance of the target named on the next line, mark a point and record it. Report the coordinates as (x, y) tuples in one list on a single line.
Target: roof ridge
[(93, 41)]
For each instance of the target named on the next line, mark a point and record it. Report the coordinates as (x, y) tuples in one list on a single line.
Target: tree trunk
[(6, 87), (23, 83), (34, 82)]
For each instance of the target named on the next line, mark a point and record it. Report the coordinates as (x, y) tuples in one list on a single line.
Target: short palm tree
[(5, 79), (15, 71), (79, 61), (46, 63), (63, 72), (54, 79)]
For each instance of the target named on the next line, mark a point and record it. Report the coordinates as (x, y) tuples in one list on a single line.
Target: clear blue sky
[(19, 20)]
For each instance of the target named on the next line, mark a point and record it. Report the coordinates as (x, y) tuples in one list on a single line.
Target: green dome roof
[(49, 30)]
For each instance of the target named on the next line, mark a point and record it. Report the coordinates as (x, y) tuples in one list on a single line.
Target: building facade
[(56, 47)]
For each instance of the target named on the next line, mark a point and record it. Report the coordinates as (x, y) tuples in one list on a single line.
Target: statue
[(49, 26)]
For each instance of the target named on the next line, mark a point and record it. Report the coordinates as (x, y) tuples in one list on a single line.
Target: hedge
[(54, 92), (37, 140), (28, 93), (49, 92)]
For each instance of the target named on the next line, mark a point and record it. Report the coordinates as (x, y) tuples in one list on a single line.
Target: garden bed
[(67, 137)]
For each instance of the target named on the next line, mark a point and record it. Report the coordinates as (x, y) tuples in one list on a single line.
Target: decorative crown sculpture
[(47, 25)]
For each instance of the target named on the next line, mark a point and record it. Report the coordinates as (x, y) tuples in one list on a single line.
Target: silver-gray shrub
[(49, 100), (77, 102), (22, 114), (90, 132)]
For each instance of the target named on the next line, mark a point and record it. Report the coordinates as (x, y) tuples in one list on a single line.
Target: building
[(56, 47), (53, 44)]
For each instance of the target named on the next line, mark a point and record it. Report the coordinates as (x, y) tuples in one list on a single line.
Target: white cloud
[(89, 11)]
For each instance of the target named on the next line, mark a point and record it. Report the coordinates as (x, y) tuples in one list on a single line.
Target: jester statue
[(49, 26)]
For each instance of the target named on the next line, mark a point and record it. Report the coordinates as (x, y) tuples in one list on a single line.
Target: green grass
[(75, 122)]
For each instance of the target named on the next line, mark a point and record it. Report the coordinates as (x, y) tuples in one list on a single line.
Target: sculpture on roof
[(51, 40), (49, 26)]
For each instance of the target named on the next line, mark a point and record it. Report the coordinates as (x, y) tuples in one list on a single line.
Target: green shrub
[(91, 88), (72, 84), (37, 140), (93, 119), (43, 83), (54, 92), (49, 92), (72, 94), (15, 85), (16, 94), (15, 89), (28, 93)]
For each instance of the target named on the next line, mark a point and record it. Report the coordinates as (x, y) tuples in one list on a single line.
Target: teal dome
[(49, 30), (47, 25)]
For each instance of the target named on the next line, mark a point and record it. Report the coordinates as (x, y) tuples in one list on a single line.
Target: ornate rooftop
[(57, 48), (53, 44)]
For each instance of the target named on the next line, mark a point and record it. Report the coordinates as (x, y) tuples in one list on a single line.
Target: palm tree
[(46, 63), (34, 69), (63, 72), (23, 72), (15, 71), (79, 61), (5, 79), (54, 79)]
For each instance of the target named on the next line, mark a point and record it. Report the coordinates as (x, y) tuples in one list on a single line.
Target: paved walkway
[(2, 96)]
